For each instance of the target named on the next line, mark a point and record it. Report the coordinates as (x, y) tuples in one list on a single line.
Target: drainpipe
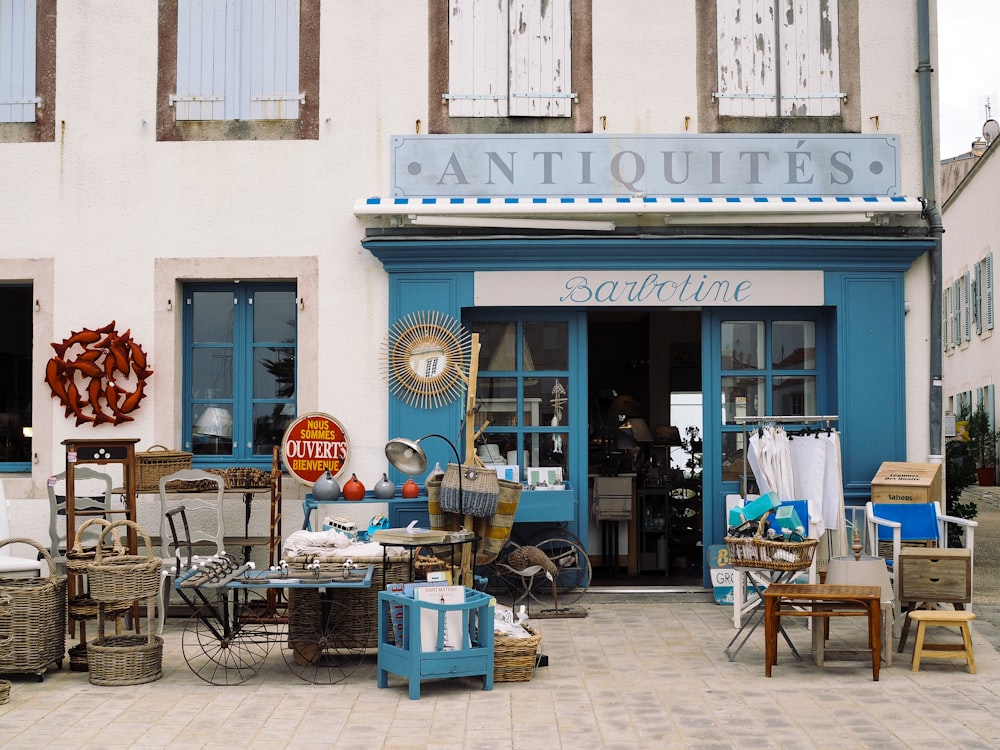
[(933, 217)]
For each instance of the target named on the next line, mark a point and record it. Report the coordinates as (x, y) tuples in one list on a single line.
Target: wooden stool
[(943, 618)]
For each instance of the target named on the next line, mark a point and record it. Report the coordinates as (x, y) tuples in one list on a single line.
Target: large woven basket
[(514, 659), (765, 554), (353, 613), (124, 577), (81, 555), (125, 659), (157, 462), (35, 617)]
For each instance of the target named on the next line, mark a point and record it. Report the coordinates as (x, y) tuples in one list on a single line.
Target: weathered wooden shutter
[(966, 308), (809, 83), (17, 60), (540, 59), (778, 57), (509, 58), (478, 49), (237, 59), (988, 288)]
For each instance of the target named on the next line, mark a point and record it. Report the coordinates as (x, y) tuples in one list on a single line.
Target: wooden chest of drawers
[(929, 574)]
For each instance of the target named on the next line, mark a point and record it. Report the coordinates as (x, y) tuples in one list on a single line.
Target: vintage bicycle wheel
[(569, 556), (327, 637), (228, 644)]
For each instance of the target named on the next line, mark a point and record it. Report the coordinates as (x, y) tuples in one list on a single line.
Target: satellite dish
[(991, 129)]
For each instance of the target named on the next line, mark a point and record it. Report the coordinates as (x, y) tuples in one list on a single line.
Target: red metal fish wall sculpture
[(99, 375)]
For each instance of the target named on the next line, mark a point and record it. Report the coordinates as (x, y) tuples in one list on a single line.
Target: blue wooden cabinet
[(400, 619)]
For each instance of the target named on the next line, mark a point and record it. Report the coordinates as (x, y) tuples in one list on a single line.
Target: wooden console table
[(822, 600)]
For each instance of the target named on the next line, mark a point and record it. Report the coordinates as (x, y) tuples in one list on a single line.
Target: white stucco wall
[(105, 220)]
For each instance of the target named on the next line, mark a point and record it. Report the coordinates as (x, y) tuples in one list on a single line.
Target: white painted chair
[(12, 566)]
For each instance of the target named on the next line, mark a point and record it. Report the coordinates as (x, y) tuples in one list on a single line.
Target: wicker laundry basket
[(122, 578), (353, 613), (35, 617)]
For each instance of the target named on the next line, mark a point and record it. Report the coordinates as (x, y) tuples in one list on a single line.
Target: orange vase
[(353, 489), (410, 488)]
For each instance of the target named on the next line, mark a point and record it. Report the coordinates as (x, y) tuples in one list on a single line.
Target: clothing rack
[(774, 419)]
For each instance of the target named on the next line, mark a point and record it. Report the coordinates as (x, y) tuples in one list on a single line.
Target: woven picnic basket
[(124, 577), (514, 659), (35, 618), (157, 462), (757, 552)]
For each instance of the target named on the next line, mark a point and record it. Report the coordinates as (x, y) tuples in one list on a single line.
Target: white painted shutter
[(745, 45), (988, 285), (540, 84), (269, 62), (478, 49), (809, 58), (237, 59), (966, 308), (778, 57), (17, 60)]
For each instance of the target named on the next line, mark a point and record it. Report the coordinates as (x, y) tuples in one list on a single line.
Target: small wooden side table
[(822, 600)]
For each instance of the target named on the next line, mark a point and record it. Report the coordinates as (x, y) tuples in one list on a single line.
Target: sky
[(968, 70)]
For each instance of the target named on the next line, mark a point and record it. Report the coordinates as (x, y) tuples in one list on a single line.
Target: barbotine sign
[(651, 165), (313, 443)]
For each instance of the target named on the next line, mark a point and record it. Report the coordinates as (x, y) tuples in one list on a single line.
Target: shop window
[(522, 394), (778, 58), (15, 378), (239, 370), (509, 58), (769, 367), (238, 69)]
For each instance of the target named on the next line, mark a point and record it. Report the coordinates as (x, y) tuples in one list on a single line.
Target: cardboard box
[(899, 482)]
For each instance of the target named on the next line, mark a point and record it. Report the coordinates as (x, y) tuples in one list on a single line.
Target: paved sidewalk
[(647, 673)]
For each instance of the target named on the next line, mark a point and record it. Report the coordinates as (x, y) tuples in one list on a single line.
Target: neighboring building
[(674, 200), (969, 304)]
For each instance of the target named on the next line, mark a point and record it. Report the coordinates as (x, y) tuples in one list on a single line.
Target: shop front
[(630, 324)]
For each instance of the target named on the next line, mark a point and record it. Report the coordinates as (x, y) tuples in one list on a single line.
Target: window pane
[(269, 423), (497, 402), (16, 379), (212, 373), (547, 346), (742, 397), (794, 397), (213, 429), (732, 457), (793, 345), (498, 346), (743, 345), (274, 316), (545, 400), (274, 373), (212, 317)]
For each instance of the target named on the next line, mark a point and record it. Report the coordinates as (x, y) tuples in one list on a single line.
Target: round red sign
[(312, 444)]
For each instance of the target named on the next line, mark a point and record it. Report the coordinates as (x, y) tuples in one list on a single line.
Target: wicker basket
[(425, 561), (125, 660), (514, 659), (81, 555), (35, 618), (4, 691), (124, 577), (155, 463), (494, 531), (354, 612), (757, 552)]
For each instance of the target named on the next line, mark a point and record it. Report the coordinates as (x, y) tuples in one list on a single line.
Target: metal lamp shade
[(406, 455)]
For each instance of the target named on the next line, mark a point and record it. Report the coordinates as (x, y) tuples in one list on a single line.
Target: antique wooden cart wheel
[(569, 556)]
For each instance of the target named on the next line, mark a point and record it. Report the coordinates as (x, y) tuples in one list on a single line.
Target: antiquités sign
[(652, 165)]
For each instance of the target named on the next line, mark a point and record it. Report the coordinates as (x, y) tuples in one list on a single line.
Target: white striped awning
[(527, 212)]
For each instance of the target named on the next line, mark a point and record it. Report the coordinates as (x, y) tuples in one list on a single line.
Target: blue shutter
[(206, 35), (966, 308), (17, 61), (977, 298), (269, 61)]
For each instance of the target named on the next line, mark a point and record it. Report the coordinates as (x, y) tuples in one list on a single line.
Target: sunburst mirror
[(426, 359)]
